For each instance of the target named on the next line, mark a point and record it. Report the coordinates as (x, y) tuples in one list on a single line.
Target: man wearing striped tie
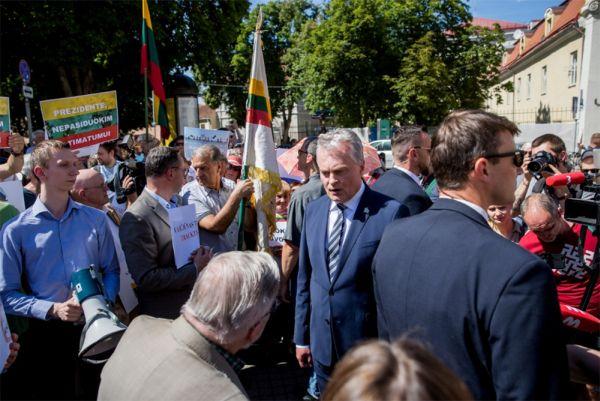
[(335, 306)]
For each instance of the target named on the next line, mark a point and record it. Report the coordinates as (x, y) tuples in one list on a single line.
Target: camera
[(540, 162), (136, 170)]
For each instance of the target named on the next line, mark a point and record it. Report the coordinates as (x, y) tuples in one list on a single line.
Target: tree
[(76, 47), (414, 60), (282, 21)]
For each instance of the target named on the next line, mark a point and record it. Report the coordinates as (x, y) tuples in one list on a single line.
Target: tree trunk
[(76, 80), (88, 81), (64, 81), (287, 121)]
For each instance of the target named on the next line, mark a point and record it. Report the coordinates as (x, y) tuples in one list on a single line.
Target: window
[(386, 145), (548, 21), (522, 45), (519, 90), (528, 86), (544, 79), (573, 69)]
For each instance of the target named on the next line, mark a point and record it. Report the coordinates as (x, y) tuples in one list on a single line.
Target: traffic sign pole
[(25, 73)]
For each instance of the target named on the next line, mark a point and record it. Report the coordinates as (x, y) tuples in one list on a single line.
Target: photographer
[(548, 156), (122, 191), (559, 243)]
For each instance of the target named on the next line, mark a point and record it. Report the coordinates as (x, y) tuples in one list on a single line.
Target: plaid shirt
[(236, 363)]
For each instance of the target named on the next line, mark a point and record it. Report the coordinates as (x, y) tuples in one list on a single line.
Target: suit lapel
[(406, 177), (358, 223), (320, 227), (160, 211)]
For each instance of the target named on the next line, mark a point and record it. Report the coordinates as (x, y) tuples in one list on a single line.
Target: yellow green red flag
[(259, 148)]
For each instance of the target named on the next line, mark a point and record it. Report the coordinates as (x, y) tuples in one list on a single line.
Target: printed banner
[(82, 121), (4, 122), (184, 233), (193, 138)]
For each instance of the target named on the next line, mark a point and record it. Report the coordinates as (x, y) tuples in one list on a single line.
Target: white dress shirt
[(481, 211), (334, 211), (410, 174)]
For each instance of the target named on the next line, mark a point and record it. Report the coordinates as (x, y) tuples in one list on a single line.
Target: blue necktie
[(335, 242)]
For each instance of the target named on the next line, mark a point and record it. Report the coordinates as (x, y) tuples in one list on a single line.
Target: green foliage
[(282, 21), (414, 60), (80, 47)]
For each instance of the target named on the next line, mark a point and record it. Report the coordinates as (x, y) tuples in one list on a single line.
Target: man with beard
[(410, 148)]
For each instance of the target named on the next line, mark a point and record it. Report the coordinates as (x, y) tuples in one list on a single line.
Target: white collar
[(352, 203), (481, 211), (410, 174), (164, 203)]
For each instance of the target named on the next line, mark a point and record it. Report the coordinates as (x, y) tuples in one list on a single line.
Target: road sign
[(24, 71), (28, 92), (385, 128)]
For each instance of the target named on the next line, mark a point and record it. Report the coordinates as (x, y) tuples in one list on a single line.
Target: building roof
[(489, 23), (565, 15)]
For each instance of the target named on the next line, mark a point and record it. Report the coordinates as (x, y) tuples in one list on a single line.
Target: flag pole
[(146, 101), (242, 209)]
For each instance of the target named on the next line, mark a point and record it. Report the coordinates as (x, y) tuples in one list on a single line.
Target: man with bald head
[(553, 239), (91, 190)]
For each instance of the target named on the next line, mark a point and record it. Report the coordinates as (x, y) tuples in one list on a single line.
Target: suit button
[(327, 322), (330, 291)]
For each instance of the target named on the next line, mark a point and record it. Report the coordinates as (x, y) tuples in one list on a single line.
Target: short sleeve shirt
[(210, 202)]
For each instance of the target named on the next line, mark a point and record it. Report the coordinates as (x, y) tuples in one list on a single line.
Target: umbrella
[(288, 160)]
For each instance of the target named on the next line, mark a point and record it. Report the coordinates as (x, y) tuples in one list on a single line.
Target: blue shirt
[(46, 251)]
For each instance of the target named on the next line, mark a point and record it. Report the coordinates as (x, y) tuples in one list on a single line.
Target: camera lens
[(535, 166)]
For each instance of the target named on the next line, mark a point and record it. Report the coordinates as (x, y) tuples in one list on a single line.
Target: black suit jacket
[(487, 307), (398, 185)]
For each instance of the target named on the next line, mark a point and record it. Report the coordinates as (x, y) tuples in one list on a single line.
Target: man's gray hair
[(212, 151), (540, 201), (333, 139), (234, 292)]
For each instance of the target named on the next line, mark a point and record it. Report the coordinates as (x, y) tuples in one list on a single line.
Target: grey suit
[(146, 239), (158, 359)]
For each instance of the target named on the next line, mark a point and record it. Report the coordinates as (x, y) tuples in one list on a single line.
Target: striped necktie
[(335, 241)]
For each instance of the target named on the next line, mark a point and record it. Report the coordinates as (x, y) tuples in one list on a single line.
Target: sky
[(511, 10)]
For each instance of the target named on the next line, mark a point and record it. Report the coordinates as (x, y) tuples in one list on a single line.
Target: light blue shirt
[(46, 251)]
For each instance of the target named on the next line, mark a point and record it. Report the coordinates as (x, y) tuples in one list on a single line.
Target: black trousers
[(48, 368)]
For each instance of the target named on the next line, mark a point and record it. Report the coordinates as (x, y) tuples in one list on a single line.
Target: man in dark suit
[(488, 309), (146, 238), (410, 148), (335, 307)]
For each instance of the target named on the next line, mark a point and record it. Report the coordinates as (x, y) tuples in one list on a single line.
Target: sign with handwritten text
[(184, 233)]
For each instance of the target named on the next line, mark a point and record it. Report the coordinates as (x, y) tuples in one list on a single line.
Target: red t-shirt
[(569, 272)]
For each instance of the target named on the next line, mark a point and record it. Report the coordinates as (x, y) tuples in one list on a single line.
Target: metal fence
[(541, 115)]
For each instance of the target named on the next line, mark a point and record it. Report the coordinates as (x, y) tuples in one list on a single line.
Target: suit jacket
[(398, 185), (332, 315), (487, 307), (159, 359), (146, 239)]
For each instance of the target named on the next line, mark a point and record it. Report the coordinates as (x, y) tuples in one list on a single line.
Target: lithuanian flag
[(259, 148), (151, 69)]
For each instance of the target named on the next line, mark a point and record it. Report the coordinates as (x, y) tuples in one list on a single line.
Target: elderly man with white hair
[(216, 200), (335, 306), (193, 357)]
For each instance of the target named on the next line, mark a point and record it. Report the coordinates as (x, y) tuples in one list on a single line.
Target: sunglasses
[(517, 155)]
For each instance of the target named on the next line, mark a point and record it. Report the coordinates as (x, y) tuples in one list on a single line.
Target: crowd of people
[(380, 289)]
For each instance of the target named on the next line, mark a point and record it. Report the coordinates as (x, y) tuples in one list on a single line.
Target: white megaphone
[(103, 329)]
